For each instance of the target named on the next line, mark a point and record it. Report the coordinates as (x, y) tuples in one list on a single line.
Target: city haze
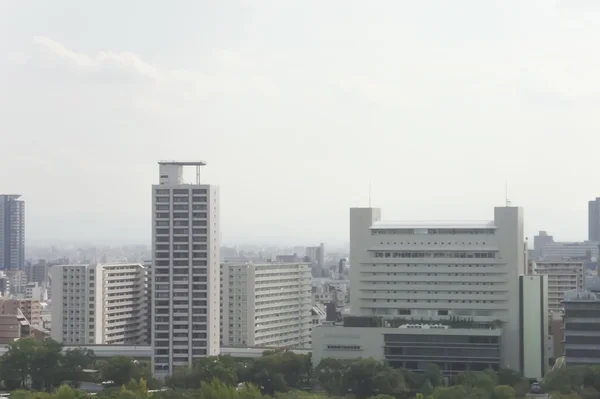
[(435, 105)]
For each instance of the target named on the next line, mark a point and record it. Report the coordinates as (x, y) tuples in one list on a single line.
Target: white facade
[(266, 305), (437, 270), (185, 269), (98, 304), (563, 276), (36, 291)]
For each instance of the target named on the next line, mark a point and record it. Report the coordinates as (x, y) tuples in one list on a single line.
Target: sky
[(298, 107)]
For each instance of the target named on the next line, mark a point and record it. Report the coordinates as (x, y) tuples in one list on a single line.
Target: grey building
[(12, 232), (539, 242), (594, 220), (582, 328)]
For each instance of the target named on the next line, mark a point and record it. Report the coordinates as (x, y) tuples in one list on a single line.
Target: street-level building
[(266, 304)]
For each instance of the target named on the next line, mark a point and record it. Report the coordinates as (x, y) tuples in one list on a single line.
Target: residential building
[(185, 269), (594, 220), (582, 328), (438, 271), (32, 310), (98, 304), (266, 304), (19, 318), (12, 232), (563, 276)]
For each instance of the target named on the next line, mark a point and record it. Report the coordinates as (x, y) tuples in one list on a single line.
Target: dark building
[(582, 328), (12, 232), (453, 353), (594, 220)]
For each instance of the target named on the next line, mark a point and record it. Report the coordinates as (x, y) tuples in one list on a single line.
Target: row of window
[(181, 231), (195, 191), (423, 231), (437, 254)]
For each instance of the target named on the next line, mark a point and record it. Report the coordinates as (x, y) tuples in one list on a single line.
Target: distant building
[(266, 304), (19, 318), (563, 276), (316, 254), (18, 281), (99, 304), (38, 273), (539, 242), (12, 232), (570, 251), (594, 220)]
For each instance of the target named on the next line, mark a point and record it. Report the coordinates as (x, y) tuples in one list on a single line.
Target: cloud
[(101, 61), (233, 74)]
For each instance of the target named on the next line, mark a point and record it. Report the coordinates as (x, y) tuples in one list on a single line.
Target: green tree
[(74, 362), (330, 374), (434, 374), (368, 377), (508, 377), (120, 370), (453, 392), (222, 368), (504, 392), (46, 364)]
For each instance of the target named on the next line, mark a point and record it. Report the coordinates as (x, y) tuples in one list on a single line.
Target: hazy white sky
[(296, 106)]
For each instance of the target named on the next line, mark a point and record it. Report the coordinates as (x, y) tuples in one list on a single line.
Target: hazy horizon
[(297, 107)]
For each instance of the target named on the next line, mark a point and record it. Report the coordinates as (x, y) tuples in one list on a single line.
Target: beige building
[(563, 276)]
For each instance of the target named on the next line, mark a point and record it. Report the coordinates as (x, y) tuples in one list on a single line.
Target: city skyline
[(297, 112)]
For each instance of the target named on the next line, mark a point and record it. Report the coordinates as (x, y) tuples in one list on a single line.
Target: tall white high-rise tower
[(185, 269)]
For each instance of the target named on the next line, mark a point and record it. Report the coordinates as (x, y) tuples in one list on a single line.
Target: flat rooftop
[(434, 224), (183, 163)]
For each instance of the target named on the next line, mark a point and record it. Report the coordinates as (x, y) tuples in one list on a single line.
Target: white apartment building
[(266, 304), (563, 276), (185, 269), (438, 270), (98, 304)]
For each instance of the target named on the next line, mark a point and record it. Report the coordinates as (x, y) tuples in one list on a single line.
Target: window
[(199, 191)]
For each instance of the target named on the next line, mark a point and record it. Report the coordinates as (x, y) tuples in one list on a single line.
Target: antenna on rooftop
[(506, 200)]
